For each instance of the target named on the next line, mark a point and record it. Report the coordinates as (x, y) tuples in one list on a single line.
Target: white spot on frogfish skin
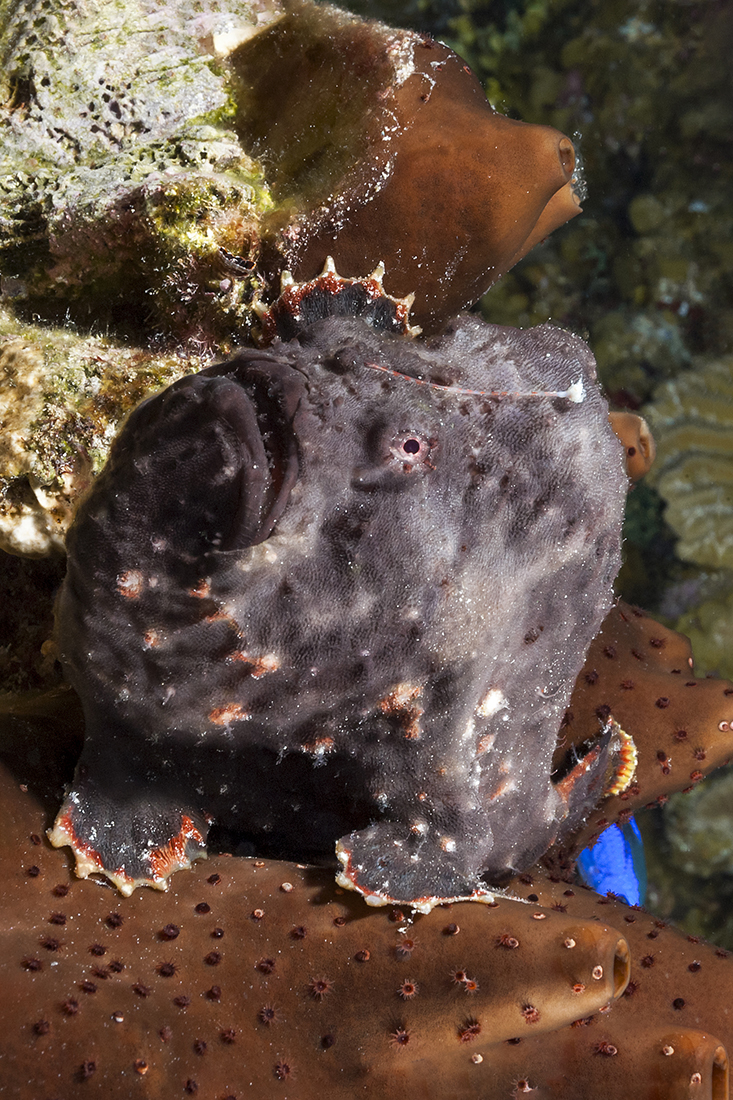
[(492, 702)]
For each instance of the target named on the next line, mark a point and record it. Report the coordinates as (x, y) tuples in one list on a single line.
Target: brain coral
[(692, 420)]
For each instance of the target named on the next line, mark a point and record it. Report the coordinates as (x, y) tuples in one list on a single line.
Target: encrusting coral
[(257, 978), (62, 399), (119, 169), (698, 828)]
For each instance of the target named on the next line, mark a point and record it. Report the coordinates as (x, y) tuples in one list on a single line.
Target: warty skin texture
[(312, 600)]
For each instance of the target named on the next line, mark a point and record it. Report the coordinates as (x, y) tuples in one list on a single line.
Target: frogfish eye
[(412, 450)]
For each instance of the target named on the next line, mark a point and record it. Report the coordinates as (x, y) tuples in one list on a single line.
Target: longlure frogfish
[(339, 590)]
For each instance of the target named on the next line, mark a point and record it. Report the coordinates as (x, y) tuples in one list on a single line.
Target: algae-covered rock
[(161, 164), (127, 201), (118, 161), (189, 153), (62, 398)]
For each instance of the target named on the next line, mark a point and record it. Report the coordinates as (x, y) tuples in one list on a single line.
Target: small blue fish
[(615, 864)]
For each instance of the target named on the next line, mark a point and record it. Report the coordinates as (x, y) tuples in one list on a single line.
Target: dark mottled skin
[(298, 578)]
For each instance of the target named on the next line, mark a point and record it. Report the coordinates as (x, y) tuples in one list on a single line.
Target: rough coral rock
[(118, 158), (62, 399), (343, 585)]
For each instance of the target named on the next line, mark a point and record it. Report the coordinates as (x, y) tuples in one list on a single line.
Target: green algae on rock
[(109, 114), (62, 398)]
